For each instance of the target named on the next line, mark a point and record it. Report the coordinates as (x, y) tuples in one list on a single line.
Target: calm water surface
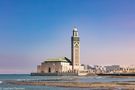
[(5, 86)]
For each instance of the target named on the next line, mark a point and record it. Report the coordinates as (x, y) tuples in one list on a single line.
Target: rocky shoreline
[(110, 85)]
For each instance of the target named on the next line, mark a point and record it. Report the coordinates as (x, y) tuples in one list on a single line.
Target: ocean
[(27, 77)]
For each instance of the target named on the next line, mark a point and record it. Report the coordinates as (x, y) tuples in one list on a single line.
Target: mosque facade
[(63, 64)]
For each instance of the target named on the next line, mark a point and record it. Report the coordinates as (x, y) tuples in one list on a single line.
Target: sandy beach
[(110, 85)]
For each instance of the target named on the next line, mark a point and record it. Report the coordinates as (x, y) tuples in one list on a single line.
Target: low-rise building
[(55, 65)]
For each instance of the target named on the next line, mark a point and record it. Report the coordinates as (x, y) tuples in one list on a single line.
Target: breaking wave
[(0, 82)]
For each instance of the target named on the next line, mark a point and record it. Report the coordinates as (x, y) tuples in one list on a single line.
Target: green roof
[(61, 59)]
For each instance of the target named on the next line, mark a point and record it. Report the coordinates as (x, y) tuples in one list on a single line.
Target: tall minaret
[(75, 50)]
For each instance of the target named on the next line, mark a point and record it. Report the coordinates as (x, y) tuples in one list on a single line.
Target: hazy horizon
[(33, 30)]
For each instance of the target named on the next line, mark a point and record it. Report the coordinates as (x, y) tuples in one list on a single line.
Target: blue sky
[(33, 30)]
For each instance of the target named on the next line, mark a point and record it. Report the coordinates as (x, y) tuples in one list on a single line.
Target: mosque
[(63, 65)]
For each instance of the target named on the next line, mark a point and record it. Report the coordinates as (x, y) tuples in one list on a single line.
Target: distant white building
[(128, 68), (112, 68)]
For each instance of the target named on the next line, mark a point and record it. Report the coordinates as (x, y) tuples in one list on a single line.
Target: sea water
[(27, 77)]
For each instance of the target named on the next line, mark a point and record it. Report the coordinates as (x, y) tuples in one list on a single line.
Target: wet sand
[(110, 85)]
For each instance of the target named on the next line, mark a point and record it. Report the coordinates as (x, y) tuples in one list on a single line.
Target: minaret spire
[(75, 50)]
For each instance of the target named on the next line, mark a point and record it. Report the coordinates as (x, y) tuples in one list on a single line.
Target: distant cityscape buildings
[(111, 69)]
